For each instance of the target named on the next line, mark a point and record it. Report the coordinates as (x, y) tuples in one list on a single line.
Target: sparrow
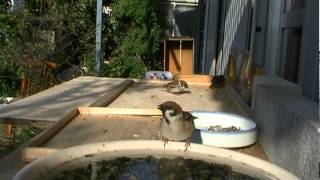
[(217, 82), (176, 124), (177, 87)]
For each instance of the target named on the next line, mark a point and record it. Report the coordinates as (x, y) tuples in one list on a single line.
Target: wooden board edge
[(145, 81), (241, 104), (112, 94), (202, 84), (30, 154), (159, 82), (199, 76), (26, 121), (119, 111), (52, 130)]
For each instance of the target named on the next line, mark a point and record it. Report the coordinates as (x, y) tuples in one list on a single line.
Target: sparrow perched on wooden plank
[(176, 125), (177, 87)]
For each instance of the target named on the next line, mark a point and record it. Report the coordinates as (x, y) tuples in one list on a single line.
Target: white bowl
[(47, 166), (246, 136), (160, 75)]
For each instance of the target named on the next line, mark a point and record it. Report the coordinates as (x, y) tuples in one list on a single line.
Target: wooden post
[(259, 71), (22, 86), (164, 55), (232, 75), (28, 85), (9, 130)]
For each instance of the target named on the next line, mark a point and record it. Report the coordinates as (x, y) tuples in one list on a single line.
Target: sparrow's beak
[(159, 107)]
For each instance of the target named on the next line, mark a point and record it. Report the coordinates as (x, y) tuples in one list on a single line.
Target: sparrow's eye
[(172, 112)]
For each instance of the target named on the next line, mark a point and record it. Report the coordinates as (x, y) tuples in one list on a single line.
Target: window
[(290, 52), (291, 5)]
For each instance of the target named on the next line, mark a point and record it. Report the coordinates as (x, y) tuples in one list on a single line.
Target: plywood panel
[(196, 79), (119, 111), (179, 61), (55, 103), (187, 61), (86, 129), (200, 98)]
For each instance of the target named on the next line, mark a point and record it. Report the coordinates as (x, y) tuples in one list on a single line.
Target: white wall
[(268, 43), (236, 31)]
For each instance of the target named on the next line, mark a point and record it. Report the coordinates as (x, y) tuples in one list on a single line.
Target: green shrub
[(139, 28), (130, 38)]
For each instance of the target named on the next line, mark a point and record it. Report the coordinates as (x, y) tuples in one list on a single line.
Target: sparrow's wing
[(166, 85), (188, 123), (188, 116), (170, 85), (184, 83)]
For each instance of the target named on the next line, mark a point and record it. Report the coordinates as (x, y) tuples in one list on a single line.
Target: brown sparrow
[(176, 125), (177, 87), (217, 81)]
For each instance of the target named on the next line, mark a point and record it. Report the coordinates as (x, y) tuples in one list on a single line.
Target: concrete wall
[(288, 126)]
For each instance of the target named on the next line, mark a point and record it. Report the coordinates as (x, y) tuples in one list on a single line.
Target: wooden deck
[(54, 103), (98, 125), (86, 129), (200, 98)]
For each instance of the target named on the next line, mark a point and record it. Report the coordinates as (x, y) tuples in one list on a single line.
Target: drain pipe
[(253, 26), (98, 36), (204, 52), (173, 19)]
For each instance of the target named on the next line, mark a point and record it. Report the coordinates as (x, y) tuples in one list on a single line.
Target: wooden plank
[(119, 111), (46, 135), (187, 60), (30, 154), (51, 105), (86, 129), (113, 94), (241, 104), (144, 81), (54, 129), (179, 57), (232, 69), (200, 98), (195, 79)]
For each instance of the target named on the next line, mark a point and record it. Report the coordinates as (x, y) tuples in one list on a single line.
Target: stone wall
[(288, 124)]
